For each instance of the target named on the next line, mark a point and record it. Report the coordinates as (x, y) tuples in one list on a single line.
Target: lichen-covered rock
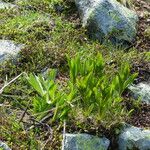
[(134, 138), (4, 5), (108, 19), (142, 91), (3, 146), (85, 142), (8, 49)]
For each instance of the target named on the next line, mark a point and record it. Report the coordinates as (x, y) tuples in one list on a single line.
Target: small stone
[(85, 142), (3, 146), (142, 91), (8, 49), (134, 138)]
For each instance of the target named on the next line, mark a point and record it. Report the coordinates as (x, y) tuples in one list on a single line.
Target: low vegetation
[(68, 77), (89, 88)]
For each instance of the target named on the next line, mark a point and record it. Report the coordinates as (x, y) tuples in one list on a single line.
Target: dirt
[(142, 8), (141, 116)]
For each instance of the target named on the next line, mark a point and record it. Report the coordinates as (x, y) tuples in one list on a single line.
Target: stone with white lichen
[(9, 49), (108, 19), (85, 142)]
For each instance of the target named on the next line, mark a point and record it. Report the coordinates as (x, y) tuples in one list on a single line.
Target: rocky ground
[(43, 36), (141, 117)]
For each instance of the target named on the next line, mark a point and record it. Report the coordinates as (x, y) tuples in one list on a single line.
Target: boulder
[(142, 91), (108, 19), (85, 142), (4, 146), (8, 49), (134, 138)]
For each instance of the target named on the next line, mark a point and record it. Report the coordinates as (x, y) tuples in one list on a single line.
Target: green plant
[(99, 93), (50, 97), (47, 38)]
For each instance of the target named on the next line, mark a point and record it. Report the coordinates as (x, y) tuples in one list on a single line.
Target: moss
[(147, 32), (9, 1), (48, 37), (18, 27)]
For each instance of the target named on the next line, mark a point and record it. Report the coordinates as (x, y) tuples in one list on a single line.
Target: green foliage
[(14, 133), (46, 38), (147, 56), (123, 79), (99, 94), (9, 1), (25, 25), (50, 96), (46, 6), (48, 35)]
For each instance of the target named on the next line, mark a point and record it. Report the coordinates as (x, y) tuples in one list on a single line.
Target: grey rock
[(85, 142), (108, 19), (134, 138), (3, 146), (4, 5), (142, 91), (8, 49)]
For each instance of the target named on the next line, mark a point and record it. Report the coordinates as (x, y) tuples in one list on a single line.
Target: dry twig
[(7, 84)]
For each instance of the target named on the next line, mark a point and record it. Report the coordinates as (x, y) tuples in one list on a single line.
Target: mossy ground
[(48, 33)]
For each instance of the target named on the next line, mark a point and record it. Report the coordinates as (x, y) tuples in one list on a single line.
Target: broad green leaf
[(36, 84)]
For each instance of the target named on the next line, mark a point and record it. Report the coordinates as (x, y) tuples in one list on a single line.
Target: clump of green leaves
[(99, 93), (89, 88), (50, 96)]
